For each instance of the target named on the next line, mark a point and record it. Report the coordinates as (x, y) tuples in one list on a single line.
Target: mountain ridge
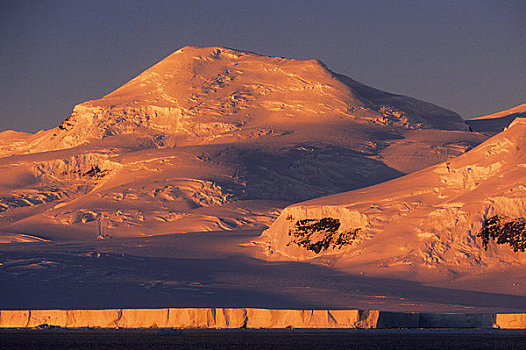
[(207, 93), (496, 122), (428, 220)]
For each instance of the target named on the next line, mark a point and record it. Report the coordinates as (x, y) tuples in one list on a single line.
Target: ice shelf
[(253, 318)]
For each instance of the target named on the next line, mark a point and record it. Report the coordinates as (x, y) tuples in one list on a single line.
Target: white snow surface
[(496, 122), (192, 143), (156, 195), (424, 222), (214, 94), (515, 110)]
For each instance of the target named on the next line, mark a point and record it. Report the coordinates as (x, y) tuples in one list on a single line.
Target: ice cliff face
[(211, 93), (429, 218), (221, 318)]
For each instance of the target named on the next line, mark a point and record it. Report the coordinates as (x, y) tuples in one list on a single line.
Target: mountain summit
[(209, 93)]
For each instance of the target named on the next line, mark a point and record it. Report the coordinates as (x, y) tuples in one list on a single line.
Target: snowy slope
[(219, 140), (204, 94), (520, 109), (215, 139), (421, 223), (496, 122)]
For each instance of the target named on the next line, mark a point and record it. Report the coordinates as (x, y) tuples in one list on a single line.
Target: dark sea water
[(264, 339)]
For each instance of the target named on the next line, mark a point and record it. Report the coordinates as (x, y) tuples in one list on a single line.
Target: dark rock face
[(512, 232), (318, 235)]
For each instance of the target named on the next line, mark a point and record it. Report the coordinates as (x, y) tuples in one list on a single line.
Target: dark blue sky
[(468, 56)]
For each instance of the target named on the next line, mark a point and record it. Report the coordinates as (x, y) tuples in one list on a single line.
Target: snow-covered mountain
[(215, 138), (427, 221), (204, 94)]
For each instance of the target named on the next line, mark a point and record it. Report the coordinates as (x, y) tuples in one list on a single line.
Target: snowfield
[(423, 223), (157, 195)]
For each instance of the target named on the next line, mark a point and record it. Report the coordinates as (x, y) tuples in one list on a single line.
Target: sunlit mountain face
[(194, 141), (226, 173), (463, 215), (497, 122)]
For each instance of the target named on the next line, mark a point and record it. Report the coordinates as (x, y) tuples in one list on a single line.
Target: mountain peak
[(214, 67), (207, 92), (215, 51)]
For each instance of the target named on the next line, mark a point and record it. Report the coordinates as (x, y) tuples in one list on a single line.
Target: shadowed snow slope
[(425, 221), (496, 122), (215, 139)]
